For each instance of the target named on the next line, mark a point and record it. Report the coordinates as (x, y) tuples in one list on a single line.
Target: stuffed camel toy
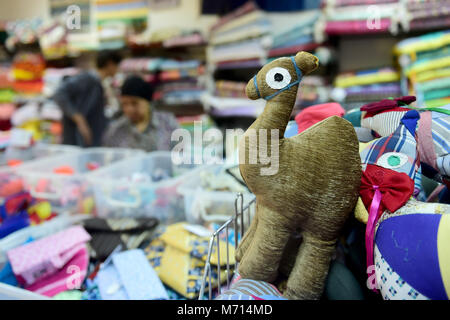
[(313, 190)]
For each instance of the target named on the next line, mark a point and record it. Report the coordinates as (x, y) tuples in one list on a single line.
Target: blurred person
[(140, 126), (82, 100)]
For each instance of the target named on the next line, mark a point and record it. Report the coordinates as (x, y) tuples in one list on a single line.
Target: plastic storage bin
[(38, 151), (203, 205), (141, 187), (62, 180)]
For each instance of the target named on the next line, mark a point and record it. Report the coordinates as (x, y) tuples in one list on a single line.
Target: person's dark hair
[(135, 86), (106, 56)]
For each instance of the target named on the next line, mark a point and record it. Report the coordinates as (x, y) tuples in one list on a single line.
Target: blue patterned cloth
[(402, 144), (130, 277)]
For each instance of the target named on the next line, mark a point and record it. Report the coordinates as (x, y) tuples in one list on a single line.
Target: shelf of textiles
[(178, 84), (349, 17), (238, 45), (39, 116), (173, 41), (425, 62)]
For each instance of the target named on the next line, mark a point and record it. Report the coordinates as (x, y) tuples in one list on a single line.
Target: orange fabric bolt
[(67, 170)]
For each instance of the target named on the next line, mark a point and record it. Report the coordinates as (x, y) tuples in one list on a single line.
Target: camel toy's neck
[(277, 112)]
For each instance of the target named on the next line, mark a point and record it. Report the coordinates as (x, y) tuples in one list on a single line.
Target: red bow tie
[(382, 189)]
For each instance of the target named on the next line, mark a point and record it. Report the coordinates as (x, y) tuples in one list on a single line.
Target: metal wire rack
[(238, 223)]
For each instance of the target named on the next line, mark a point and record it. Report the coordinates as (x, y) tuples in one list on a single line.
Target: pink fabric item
[(6, 110), (44, 257), (314, 114), (70, 277), (355, 27), (425, 139)]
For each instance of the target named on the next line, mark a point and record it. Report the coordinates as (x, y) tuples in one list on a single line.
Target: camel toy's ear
[(306, 62)]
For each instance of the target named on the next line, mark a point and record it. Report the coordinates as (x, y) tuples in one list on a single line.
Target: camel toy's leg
[(290, 254), (307, 278), (247, 239), (262, 258)]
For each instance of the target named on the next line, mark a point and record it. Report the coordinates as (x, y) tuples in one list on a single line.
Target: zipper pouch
[(44, 257)]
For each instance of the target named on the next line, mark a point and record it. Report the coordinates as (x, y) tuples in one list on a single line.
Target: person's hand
[(83, 128)]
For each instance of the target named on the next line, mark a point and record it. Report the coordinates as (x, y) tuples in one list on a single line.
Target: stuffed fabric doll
[(407, 241), (433, 133), (314, 188)]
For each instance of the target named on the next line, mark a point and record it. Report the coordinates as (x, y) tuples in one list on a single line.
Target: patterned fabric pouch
[(37, 260), (179, 257), (129, 276)]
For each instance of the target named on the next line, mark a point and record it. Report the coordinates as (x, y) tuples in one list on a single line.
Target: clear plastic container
[(38, 151), (62, 180), (8, 292), (142, 187), (205, 205), (10, 183)]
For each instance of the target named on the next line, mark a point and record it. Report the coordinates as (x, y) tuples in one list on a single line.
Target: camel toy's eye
[(278, 78), (392, 160)]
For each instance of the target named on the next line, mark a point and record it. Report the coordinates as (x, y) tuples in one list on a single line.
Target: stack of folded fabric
[(358, 16), (146, 67), (28, 70), (6, 99), (230, 89), (112, 35), (232, 107), (239, 38), (53, 77), (238, 44), (180, 82), (185, 39), (313, 90), (140, 65), (357, 88), (422, 15), (127, 11), (53, 39), (426, 68), (153, 38), (299, 37), (179, 256)]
